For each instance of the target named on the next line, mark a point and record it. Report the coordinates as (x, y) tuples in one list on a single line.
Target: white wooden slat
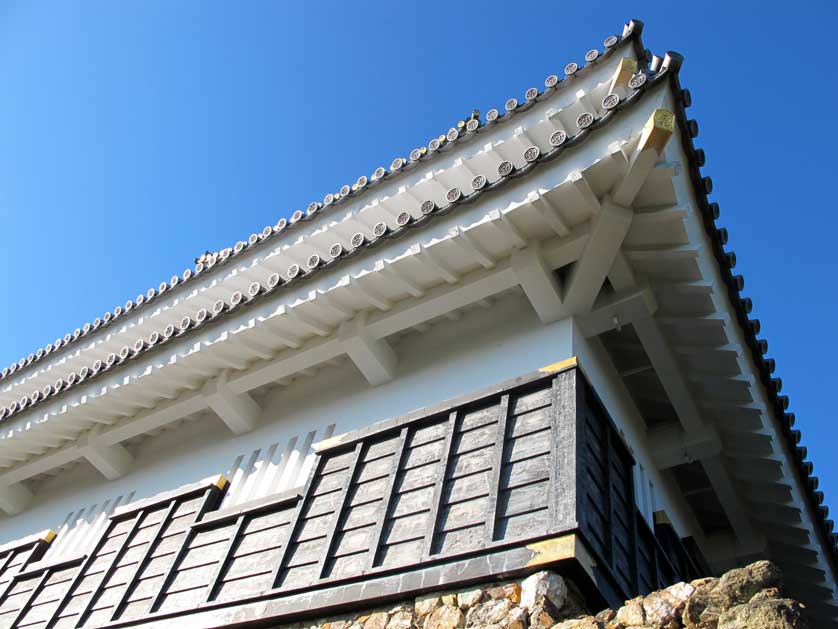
[(273, 468)]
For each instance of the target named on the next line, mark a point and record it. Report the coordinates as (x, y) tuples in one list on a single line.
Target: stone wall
[(745, 598)]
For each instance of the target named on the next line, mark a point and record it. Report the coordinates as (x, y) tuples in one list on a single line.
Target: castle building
[(522, 345)]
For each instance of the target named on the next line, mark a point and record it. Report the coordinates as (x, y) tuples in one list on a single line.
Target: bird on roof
[(203, 257)]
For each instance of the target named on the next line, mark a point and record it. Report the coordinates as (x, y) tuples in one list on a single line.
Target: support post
[(656, 133), (588, 274), (539, 283), (112, 461), (14, 498), (239, 411), (373, 357)]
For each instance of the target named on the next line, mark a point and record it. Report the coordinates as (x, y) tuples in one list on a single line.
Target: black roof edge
[(742, 306)]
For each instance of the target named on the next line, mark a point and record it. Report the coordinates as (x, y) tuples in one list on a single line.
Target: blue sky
[(135, 135)]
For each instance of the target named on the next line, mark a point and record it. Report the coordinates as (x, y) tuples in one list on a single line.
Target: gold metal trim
[(560, 366), (657, 130)]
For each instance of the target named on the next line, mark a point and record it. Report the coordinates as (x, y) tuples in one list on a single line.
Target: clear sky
[(136, 134)]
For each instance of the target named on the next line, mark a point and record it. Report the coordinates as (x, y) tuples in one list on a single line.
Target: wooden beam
[(372, 296), (587, 197), (110, 566), (749, 539), (307, 323), (467, 242), (649, 220), (437, 301), (284, 338), (397, 277), (211, 498), (227, 358), (39, 465), (625, 70), (609, 230), (657, 253), (504, 225), (223, 564), (550, 213), (329, 300), (441, 269), (617, 310), (701, 443), (669, 372), (25, 442), (497, 467), (656, 133), (143, 559), (540, 284), (112, 461), (160, 416), (373, 357), (439, 483), (671, 446), (238, 410), (14, 498), (340, 510), (389, 497), (441, 299), (313, 354), (26, 604), (261, 350)]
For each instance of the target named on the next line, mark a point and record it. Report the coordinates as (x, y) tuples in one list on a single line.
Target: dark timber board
[(467, 483), (18, 588)]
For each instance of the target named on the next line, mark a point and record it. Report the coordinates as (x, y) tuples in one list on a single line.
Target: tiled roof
[(465, 131), (484, 183), (652, 72)]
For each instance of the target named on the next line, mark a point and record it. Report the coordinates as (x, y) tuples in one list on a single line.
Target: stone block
[(446, 617)]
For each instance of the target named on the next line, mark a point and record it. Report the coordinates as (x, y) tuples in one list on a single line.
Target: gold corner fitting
[(560, 366), (657, 130)]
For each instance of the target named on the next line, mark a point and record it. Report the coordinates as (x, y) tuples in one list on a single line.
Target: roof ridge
[(466, 130)]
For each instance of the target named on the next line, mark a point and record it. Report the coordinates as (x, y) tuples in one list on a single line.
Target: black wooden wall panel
[(354, 531), (464, 492), (622, 513), (522, 462), (250, 557), (594, 484), (17, 596), (524, 480), (647, 574), (80, 594), (407, 515), (607, 487), (105, 584), (45, 602)]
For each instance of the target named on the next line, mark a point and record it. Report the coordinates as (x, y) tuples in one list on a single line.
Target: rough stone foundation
[(745, 598)]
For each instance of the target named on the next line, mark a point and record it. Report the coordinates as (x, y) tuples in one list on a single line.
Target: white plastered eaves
[(176, 370), (404, 193)]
